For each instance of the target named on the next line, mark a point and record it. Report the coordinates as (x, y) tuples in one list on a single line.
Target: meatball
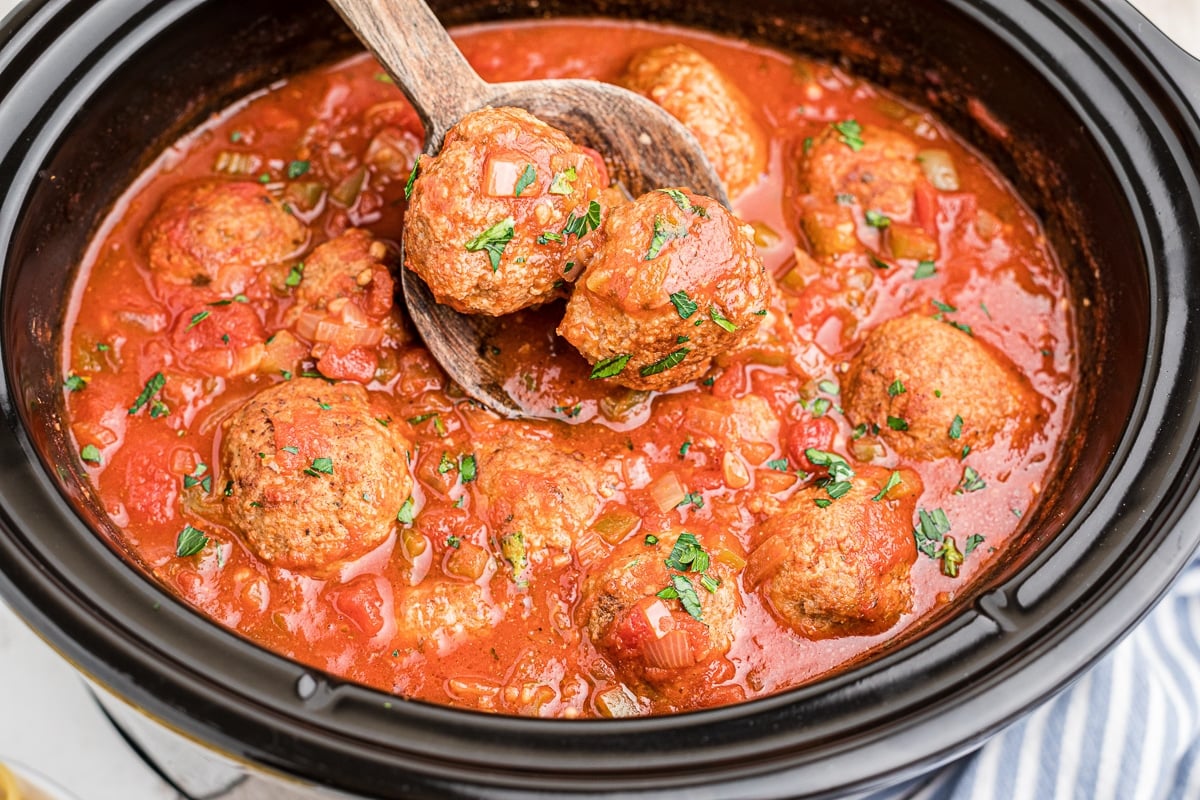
[(312, 477), (539, 494), (933, 389), (839, 567), (354, 266), (675, 280), (695, 92), (219, 234), (343, 304), (662, 641), (851, 163), (496, 218)]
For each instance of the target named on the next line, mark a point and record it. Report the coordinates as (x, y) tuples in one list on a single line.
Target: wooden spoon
[(645, 148)]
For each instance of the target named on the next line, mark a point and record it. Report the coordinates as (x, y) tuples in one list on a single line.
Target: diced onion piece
[(304, 195), (617, 702), (865, 449), (655, 613), (351, 331), (346, 192), (672, 651), (729, 558), (184, 461), (736, 474), (667, 492), (773, 481), (619, 405), (232, 162), (393, 151), (614, 526), (502, 175), (938, 167), (911, 241), (765, 561), (590, 549), (764, 235)]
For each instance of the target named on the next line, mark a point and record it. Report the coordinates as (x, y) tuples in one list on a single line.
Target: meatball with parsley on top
[(495, 219), (674, 280), (313, 478)]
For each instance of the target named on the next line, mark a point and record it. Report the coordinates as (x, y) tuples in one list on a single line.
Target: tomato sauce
[(159, 470)]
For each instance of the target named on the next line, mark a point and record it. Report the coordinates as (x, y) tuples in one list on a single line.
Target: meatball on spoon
[(644, 146)]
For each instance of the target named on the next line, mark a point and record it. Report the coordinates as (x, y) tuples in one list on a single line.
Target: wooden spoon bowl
[(644, 147)]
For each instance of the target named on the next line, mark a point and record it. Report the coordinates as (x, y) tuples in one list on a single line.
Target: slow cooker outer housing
[(1101, 136)]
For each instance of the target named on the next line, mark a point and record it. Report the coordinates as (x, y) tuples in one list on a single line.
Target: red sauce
[(994, 268)]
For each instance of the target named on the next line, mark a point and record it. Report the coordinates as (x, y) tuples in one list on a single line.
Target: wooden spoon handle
[(415, 49)]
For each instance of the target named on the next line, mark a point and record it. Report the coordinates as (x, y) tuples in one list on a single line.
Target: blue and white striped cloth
[(1128, 729)]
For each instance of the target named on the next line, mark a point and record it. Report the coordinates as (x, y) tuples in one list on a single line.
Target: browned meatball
[(674, 281), (540, 494), (695, 92), (663, 641), (343, 304), (313, 477), (496, 217), (355, 266), (219, 234), (933, 389), (849, 164), (839, 567)]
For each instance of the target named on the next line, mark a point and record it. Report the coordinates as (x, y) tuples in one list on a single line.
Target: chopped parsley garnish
[(828, 387), (681, 339), (199, 477), (526, 179), (684, 205), (512, 547), (264, 178), (820, 406), (971, 482), (197, 318), (808, 143), (467, 468), (158, 409), (944, 308), (973, 541), (925, 269), (663, 364), (691, 499), (897, 423), (493, 241), (892, 482), (406, 514), (724, 324), (683, 448), (190, 541), (228, 491), (291, 449), (412, 179), (569, 411), (838, 468), (562, 183), (294, 276), (878, 220), (878, 262), (453, 541), (650, 540), (837, 489), (664, 231), (778, 464), (446, 464), (896, 388), (684, 305), (91, 454), (681, 588), (610, 367), (956, 425), (235, 136), (687, 553), (296, 169), (859, 431), (931, 527), (581, 226), (152, 387), (823, 502), (74, 383), (320, 466), (549, 236), (849, 134), (103, 348)]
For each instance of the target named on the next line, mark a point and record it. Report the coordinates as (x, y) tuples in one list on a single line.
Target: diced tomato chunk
[(355, 364), (360, 602), (815, 432)]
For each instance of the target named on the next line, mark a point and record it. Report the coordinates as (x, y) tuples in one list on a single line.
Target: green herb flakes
[(152, 387), (493, 241), (467, 468), (526, 179), (190, 541), (581, 226), (897, 423), (319, 466), (74, 383), (664, 231), (956, 426), (896, 388), (971, 481), (724, 324), (877, 220), (562, 182), (412, 179), (406, 514), (684, 305), (609, 367), (294, 276), (297, 169), (91, 454), (663, 364), (849, 134), (925, 269)]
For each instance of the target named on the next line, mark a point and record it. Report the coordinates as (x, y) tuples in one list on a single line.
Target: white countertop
[(49, 722)]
